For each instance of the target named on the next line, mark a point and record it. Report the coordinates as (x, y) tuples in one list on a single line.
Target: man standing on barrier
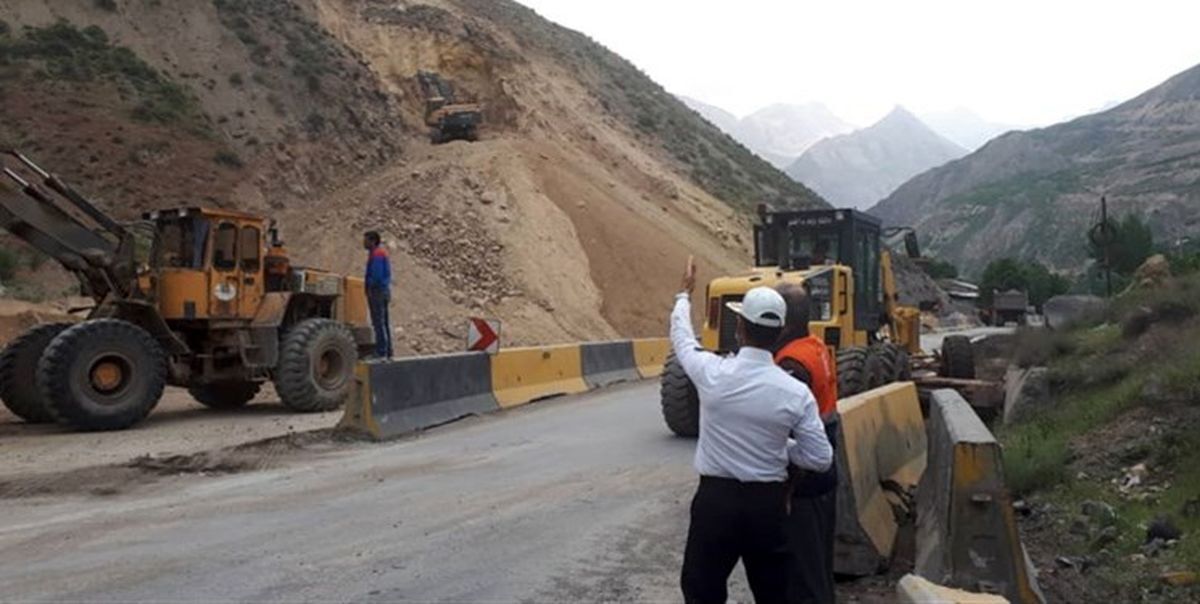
[(755, 420), (379, 292), (814, 494)]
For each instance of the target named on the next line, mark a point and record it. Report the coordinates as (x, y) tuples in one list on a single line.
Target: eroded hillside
[(568, 220), (1035, 194)]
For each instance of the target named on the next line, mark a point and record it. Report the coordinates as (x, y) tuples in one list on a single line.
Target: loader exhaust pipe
[(62, 188)]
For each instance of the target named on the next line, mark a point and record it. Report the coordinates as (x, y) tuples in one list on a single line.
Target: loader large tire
[(680, 402), (895, 362), (316, 366), (852, 371), (103, 374), (225, 395), (958, 358), (874, 369), (18, 371)]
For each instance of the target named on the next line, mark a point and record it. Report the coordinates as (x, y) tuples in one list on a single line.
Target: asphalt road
[(580, 499), (576, 499)]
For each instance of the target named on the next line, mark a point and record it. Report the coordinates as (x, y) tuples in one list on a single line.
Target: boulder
[(1155, 272), (1061, 311), (1025, 392)]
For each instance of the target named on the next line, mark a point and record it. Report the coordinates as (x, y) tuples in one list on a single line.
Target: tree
[(1030, 277), (1132, 242), (940, 269)]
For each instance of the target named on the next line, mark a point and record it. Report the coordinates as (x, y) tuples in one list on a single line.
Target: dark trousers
[(811, 526), (810, 529), (734, 520), (378, 300)]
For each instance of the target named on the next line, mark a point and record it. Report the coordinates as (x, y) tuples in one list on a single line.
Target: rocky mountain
[(964, 127), (780, 133), (726, 121), (568, 220), (858, 169), (1034, 194)]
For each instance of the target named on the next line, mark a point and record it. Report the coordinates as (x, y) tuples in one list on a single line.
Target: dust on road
[(178, 426)]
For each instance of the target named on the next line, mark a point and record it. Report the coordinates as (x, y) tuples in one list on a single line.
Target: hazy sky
[(1022, 62)]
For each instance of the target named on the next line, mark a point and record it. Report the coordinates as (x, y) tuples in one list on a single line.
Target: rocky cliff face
[(1034, 194)]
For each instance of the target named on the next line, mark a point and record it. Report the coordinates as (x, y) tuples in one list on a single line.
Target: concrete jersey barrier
[(523, 375), (401, 396), (881, 439), (396, 397), (966, 530), (608, 363), (916, 590), (650, 355)]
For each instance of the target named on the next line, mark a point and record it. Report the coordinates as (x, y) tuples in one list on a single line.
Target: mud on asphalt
[(145, 471)]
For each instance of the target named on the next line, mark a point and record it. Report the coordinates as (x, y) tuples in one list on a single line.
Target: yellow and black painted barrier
[(404, 395), (524, 375), (650, 356), (966, 529), (917, 590), (400, 396), (881, 441)]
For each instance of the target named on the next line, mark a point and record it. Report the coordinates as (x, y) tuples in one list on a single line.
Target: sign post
[(483, 336)]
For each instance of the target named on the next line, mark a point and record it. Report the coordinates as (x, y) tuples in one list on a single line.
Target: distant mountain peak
[(779, 132), (899, 112), (864, 166)]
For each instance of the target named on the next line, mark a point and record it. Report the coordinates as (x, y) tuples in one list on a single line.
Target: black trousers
[(378, 300), (810, 528), (734, 520)]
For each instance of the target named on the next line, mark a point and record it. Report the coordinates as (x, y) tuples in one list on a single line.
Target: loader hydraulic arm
[(101, 256), (904, 322)]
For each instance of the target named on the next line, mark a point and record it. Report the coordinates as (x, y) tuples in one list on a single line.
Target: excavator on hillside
[(448, 118), (206, 299), (838, 257)]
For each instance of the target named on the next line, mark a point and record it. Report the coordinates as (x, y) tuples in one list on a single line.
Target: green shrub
[(235, 79), (1035, 459), (940, 269), (64, 52), (9, 261), (228, 159), (108, 5)]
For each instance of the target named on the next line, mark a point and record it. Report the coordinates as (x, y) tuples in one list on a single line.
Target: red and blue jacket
[(379, 269)]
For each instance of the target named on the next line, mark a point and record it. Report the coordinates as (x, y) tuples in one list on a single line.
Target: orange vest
[(814, 356)]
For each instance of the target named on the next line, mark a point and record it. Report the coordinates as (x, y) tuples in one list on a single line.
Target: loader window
[(180, 243), (251, 249), (766, 246), (810, 249), (225, 247)]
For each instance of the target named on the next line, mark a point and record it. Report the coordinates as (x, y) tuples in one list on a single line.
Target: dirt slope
[(568, 221)]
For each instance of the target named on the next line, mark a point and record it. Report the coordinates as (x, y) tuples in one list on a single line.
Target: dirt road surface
[(177, 426)]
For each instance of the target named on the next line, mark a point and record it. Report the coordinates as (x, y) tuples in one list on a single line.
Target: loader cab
[(207, 264), (808, 239)]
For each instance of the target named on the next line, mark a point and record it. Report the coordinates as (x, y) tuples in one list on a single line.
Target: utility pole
[(1107, 247)]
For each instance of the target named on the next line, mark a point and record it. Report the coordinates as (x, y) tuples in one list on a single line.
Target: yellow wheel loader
[(200, 298), (838, 257)]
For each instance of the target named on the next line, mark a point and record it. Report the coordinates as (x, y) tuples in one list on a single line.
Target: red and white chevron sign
[(483, 335)]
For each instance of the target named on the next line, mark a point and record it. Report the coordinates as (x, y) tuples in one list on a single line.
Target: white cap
[(761, 306)]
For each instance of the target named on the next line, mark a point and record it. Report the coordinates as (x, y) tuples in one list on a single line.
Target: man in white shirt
[(754, 420)]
